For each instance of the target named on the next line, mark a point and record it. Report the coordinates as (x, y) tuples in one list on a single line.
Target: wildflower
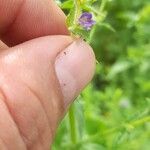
[(86, 21)]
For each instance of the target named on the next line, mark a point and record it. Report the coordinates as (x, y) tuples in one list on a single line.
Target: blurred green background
[(113, 112)]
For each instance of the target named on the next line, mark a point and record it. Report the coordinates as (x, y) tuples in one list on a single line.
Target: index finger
[(22, 20)]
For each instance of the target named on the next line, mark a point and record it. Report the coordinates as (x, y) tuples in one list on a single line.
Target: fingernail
[(75, 67)]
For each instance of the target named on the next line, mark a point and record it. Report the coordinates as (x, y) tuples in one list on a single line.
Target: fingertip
[(75, 67)]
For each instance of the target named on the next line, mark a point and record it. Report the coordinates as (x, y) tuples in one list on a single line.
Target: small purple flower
[(86, 21)]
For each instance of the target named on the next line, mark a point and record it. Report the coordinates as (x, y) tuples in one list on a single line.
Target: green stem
[(77, 5), (102, 7), (99, 19), (72, 122)]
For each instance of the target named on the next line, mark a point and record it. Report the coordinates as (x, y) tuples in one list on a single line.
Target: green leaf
[(118, 67), (108, 26), (67, 4)]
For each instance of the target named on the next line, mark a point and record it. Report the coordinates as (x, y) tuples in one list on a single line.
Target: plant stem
[(102, 7), (77, 5), (72, 122), (99, 19)]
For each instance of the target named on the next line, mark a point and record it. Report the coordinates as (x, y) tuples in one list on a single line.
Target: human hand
[(40, 77)]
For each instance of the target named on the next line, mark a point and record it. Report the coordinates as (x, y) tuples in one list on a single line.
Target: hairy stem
[(77, 5), (103, 4)]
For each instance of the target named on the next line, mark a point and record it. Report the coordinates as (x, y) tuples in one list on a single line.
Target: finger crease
[(7, 106)]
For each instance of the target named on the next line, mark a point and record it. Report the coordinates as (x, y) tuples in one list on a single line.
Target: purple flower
[(86, 21)]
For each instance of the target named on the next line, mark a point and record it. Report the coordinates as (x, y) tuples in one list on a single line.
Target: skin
[(42, 70)]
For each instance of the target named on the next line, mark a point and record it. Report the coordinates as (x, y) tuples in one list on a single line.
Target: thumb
[(39, 79), (75, 66)]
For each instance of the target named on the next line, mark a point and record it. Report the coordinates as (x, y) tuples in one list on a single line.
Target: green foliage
[(113, 112)]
